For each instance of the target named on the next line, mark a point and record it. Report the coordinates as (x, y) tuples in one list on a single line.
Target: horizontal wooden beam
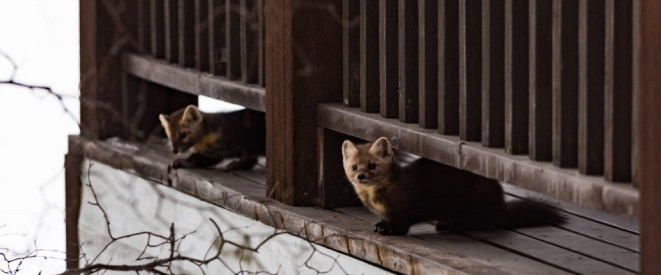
[(565, 184), (194, 82)]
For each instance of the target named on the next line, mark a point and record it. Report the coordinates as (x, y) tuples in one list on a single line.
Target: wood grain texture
[(540, 80), (294, 92), (171, 25), (195, 82), (217, 58), (448, 70), (248, 40), (618, 91), (388, 58), (232, 38), (517, 75), (351, 53), (428, 62), (186, 33), (493, 73), (156, 15), (649, 108), (201, 41), (565, 83), (591, 87), (407, 11), (369, 56), (470, 70)]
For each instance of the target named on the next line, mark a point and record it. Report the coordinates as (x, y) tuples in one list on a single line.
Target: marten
[(423, 190), (212, 137)]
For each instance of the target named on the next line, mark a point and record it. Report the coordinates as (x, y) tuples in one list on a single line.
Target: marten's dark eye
[(182, 135), (371, 166), (354, 167)]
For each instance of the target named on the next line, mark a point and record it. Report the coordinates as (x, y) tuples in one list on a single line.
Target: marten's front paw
[(181, 163), (385, 228)]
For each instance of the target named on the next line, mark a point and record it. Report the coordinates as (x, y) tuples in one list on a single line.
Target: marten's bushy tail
[(531, 212)]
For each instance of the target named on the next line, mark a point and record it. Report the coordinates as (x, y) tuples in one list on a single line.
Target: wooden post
[(517, 42), (303, 46), (351, 53), (649, 113), (540, 80), (428, 44), (407, 11), (73, 162), (470, 69), (388, 58), (493, 73), (448, 68), (369, 56)]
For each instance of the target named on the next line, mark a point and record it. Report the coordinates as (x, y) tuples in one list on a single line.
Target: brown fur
[(406, 194), (212, 137)]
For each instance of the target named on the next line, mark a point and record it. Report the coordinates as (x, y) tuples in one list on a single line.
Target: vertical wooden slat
[(232, 38), (144, 26), (201, 35), (351, 53), (157, 13), (217, 9), (649, 107), (635, 97), (408, 60), (540, 79), (293, 96), (369, 56), (493, 76), (261, 77), (388, 58), (73, 162), (186, 33), (591, 87), (248, 40), (428, 61), (171, 24), (448, 71), (470, 69), (618, 85), (565, 83), (517, 45)]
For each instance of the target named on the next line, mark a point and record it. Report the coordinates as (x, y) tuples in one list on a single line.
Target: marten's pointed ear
[(382, 148), (191, 114), (165, 121), (348, 149)]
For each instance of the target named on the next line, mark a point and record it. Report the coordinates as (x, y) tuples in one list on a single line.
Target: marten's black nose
[(174, 150), (361, 176)]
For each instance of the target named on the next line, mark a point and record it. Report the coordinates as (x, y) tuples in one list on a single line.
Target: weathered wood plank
[(156, 14), (201, 35), (194, 82), (407, 11), (294, 93), (351, 53), (569, 260), (448, 71), (565, 83), (618, 86), (369, 56), (470, 69), (502, 258), (73, 162), (592, 192), (217, 65), (540, 143), (261, 44), (517, 43), (493, 73), (591, 87), (428, 62), (171, 25), (649, 111), (388, 58), (186, 33), (248, 39), (232, 38)]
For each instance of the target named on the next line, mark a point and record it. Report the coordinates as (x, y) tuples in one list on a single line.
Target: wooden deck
[(590, 243)]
